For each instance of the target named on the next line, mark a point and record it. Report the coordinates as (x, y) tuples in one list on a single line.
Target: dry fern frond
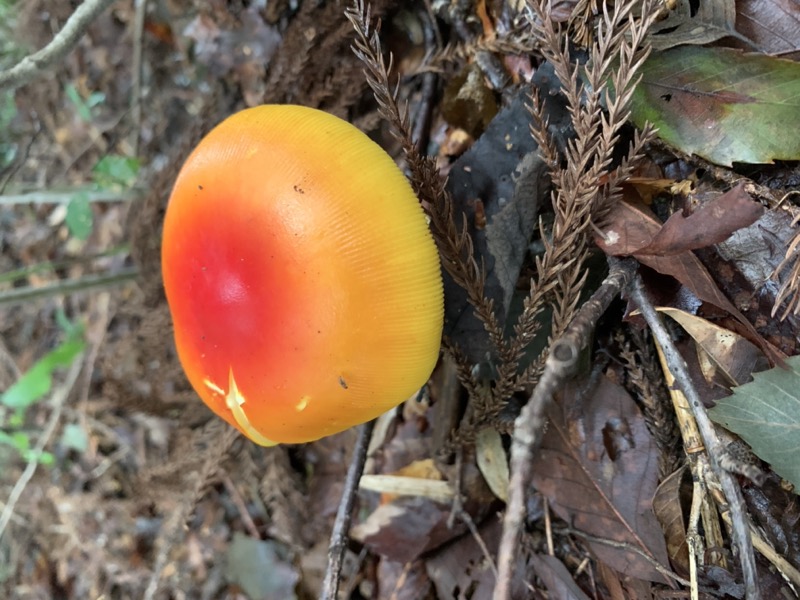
[(452, 238)]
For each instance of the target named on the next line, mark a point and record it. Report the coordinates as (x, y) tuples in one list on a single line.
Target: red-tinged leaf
[(721, 104), (629, 228), (713, 222), (598, 468)]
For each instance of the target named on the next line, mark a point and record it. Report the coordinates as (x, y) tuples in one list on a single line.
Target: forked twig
[(64, 41), (561, 361)]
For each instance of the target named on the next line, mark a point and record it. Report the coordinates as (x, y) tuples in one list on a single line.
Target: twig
[(68, 286), (64, 196), (561, 361), (238, 501), (58, 398), (64, 41), (136, 68), (628, 548), (341, 526), (739, 522)]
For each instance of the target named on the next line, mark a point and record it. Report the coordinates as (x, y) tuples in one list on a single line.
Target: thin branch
[(341, 526), (715, 449), (64, 41), (68, 286), (561, 361)]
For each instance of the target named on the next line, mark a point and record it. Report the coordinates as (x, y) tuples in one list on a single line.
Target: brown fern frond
[(453, 239)]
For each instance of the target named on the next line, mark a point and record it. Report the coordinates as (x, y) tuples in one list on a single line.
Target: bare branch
[(715, 449), (65, 40), (563, 357), (341, 526)]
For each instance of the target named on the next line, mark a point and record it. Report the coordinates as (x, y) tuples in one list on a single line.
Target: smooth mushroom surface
[(303, 282)]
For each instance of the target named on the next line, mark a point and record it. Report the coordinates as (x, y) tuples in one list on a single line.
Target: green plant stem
[(50, 266), (68, 286), (64, 196)]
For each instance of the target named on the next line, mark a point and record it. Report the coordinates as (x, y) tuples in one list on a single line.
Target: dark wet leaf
[(557, 578), (500, 177), (721, 104), (598, 468)]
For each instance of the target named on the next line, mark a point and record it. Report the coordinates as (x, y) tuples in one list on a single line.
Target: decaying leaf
[(766, 414), (708, 22), (500, 180), (631, 227), (772, 26), (598, 467), (557, 578), (492, 461), (721, 104)]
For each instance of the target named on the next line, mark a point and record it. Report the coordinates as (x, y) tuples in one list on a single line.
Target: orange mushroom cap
[(304, 285)]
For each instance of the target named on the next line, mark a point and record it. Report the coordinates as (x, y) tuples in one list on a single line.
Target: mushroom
[(304, 285)]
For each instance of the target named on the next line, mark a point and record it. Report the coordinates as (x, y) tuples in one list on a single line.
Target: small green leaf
[(74, 438), (39, 379), (84, 111), (114, 171), (80, 218), (765, 413)]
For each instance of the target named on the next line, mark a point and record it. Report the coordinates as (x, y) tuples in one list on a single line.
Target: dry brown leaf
[(731, 355), (632, 227), (668, 510), (598, 468), (711, 223)]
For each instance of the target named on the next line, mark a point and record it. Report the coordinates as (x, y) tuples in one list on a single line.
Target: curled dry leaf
[(632, 227), (711, 223)]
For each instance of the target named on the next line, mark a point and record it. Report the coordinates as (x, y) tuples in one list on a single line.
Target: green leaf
[(80, 218), (766, 414), (722, 104), (84, 110), (114, 171), (74, 438), (39, 379)]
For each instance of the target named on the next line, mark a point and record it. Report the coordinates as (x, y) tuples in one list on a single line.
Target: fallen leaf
[(557, 578), (766, 414), (711, 223), (492, 461), (709, 21), (598, 468), (669, 511), (732, 355), (721, 104), (773, 26), (630, 227)]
